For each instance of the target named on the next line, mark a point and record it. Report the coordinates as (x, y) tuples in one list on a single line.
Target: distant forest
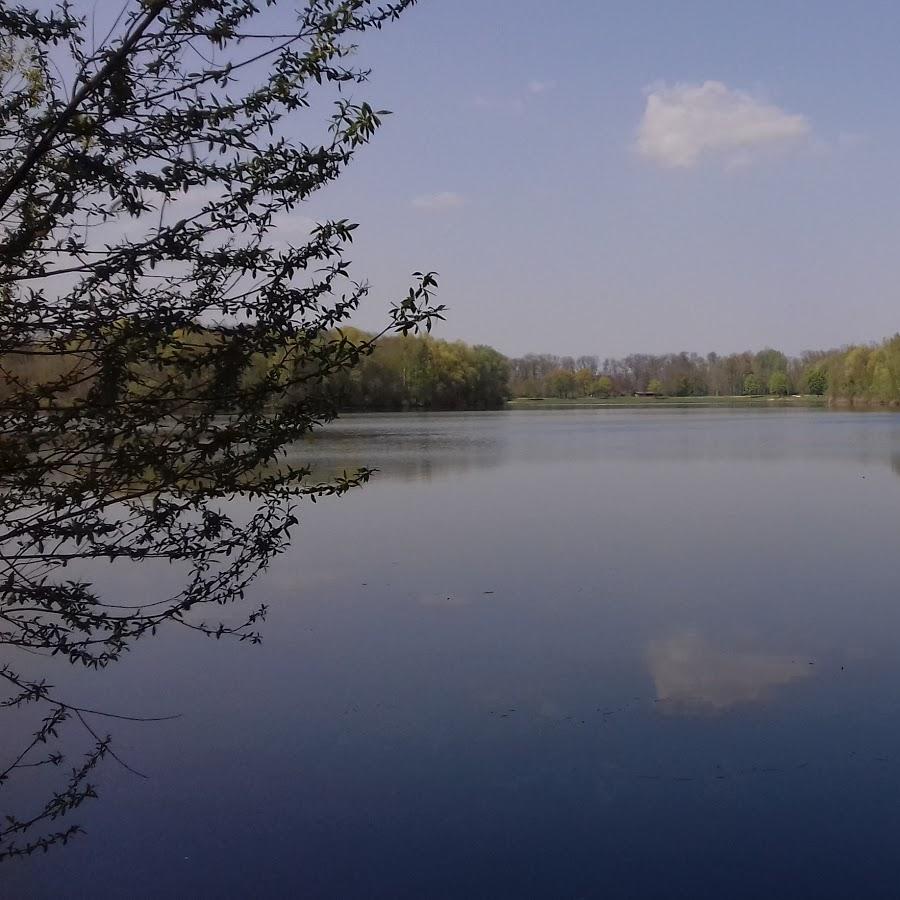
[(400, 372), (428, 373), (858, 374), (769, 372), (423, 372), (409, 372)]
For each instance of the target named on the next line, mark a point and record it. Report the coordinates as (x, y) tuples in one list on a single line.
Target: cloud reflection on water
[(694, 677)]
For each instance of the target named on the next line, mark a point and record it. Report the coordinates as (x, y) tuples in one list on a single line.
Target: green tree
[(778, 384), (655, 386), (603, 387), (143, 179), (584, 381), (866, 374), (491, 387), (816, 380), (854, 381), (561, 383), (752, 384), (767, 362)]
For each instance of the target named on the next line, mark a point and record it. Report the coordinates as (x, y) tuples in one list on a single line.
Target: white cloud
[(439, 202), (686, 122)]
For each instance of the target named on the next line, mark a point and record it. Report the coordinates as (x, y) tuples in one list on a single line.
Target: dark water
[(568, 654)]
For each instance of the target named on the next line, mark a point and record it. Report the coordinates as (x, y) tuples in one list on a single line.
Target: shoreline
[(737, 402)]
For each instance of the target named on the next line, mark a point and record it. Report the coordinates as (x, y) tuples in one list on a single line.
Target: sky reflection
[(693, 676)]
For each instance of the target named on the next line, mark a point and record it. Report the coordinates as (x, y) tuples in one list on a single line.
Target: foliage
[(147, 184), (408, 372), (769, 362), (816, 380), (868, 375), (672, 374), (561, 383), (752, 384), (603, 386), (779, 386)]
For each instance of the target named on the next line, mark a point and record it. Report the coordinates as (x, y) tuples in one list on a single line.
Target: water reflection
[(455, 696), (411, 447), (424, 446), (693, 676)]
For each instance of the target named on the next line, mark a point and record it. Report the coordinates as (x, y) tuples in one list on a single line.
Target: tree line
[(867, 374), (393, 372), (858, 374), (768, 372), (421, 372)]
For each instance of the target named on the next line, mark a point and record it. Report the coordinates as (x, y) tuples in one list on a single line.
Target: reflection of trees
[(400, 448), (895, 463), (694, 676)]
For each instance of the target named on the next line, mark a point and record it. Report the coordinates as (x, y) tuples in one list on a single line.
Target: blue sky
[(614, 177)]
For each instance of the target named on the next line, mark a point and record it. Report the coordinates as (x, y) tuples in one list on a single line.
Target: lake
[(542, 654)]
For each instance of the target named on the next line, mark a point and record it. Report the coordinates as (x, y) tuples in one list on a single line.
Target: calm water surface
[(553, 654)]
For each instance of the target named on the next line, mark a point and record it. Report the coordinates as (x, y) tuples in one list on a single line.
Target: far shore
[(794, 401), (805, 400)]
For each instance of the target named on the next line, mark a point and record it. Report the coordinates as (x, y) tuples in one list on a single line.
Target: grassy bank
[(739, 402)]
